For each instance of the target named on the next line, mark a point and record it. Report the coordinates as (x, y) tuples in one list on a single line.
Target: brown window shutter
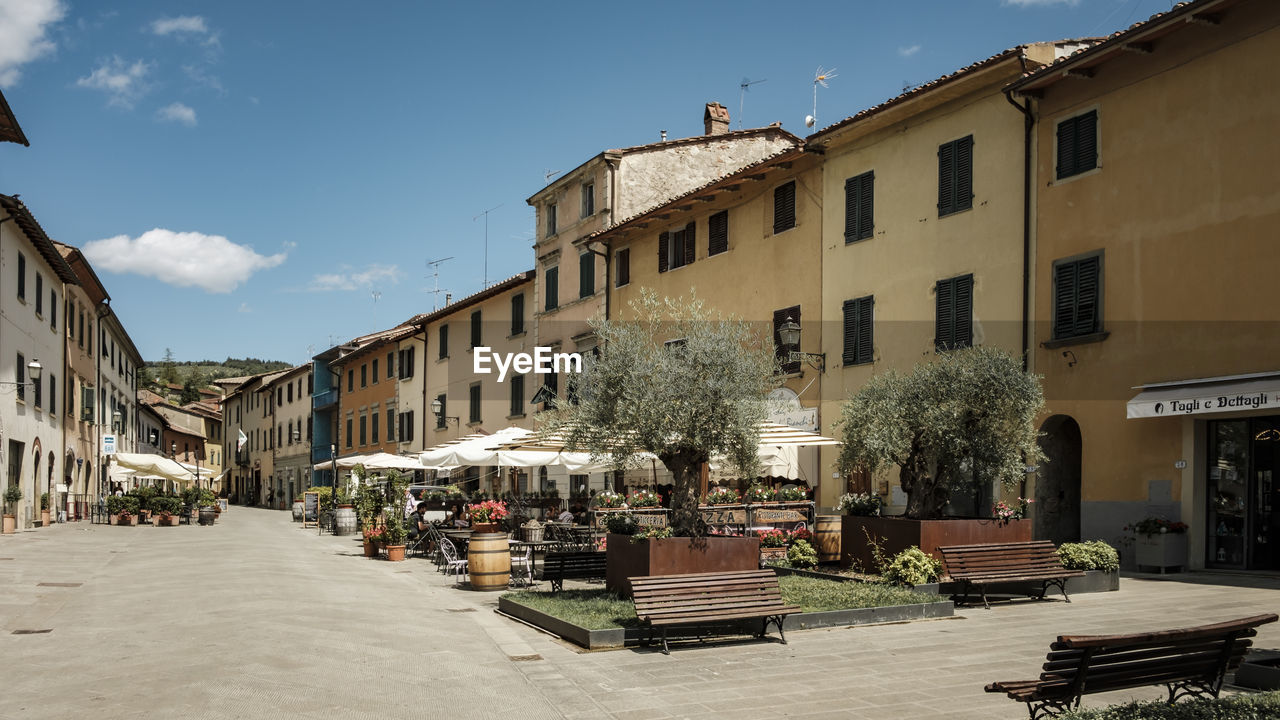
[(690, 244), (664, 240)]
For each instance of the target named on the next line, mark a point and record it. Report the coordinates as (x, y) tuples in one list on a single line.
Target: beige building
[(83, 453), (291, 466), (612, 186), (923, 243), (1156, 212), (410, 373)]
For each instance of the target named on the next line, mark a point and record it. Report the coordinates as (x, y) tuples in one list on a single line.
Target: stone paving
[(256, 617)]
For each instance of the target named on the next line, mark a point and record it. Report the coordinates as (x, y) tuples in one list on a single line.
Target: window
[(475, 329), (349, 424), (954, 313), (22, 277), (308, 429), (622, 261), (364, 375), (517, 395), (475, 403), (53, 394), (588, 199), (955, 176), (90, 338), (858, 331), (81, 336), (39, 293), (20, 375), (391, 365), (586, 274), (784, 207), (373, 422), (364, 430), (406, 362), (391, 424), (517, 314), (858, 192), (290, 392), (783, 352), (351, 380), (718, 233), (676, 248), (1077, 296), (374, 370), (406, 426), (551, 219), (1078, 144), (444, 341), (71, 397), (441, 422), (289, 437), (551, 278)]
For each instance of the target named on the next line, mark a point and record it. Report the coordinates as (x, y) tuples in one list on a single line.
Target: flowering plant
[(643, 499), (374, 534), (801, 533), (864, 504), (123, 517), (489, 511), (1004, 512), (651, 532), (608, 499), (759, 494), (772, 538), (792, 494), (1155, 526), (723, 496)]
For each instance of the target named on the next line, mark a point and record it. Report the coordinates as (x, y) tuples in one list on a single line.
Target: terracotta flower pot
[(44, 518), (484, 527), (370, 548), (395, 553), (10, 524)]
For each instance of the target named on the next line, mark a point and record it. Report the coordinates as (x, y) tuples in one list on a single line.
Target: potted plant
[(861, 504), (608, 499), (773, 545), (165, 510), (801, 554), (643, 498), (12, 496), (793, 494), (757, 494), (723, 496), (393, 536), (44, 509), (485, 516), (373, 537), (1003, 512), (1159, 543), (126, 517), (1099, 561)]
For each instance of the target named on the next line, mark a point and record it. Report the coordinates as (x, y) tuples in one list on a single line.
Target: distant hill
[(206, 371)]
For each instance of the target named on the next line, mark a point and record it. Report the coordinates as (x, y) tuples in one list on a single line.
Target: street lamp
[(789, 335), (437, 409), (33, 376)]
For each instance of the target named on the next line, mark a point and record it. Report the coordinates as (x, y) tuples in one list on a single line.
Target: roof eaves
[(36, 234), (482, 295), (10, 130)]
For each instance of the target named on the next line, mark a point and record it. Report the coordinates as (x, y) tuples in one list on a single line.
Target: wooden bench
[(976, 566), (664, 601), (580, 565), (1191, 662)]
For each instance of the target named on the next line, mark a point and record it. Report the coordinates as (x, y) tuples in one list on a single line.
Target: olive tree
[(961, 421), (679, 381)]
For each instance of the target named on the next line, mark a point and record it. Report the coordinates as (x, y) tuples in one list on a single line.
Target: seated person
[(566, 516), (459, 519), (417, 521)]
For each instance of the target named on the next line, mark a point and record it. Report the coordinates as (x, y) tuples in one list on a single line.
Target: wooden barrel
[(489, 561), (826, 538), (344, 521), (207, 516)]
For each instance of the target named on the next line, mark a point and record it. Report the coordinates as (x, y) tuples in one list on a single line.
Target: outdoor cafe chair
[(522, 565), (453, 564)]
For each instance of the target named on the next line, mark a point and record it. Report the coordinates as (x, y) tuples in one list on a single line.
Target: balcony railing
[(324, 399)]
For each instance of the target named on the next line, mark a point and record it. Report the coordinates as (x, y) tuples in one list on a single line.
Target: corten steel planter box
[(675, 556), (898, 533)]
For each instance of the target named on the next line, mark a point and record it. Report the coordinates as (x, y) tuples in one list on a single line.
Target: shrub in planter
[(912, 567), (607, 499), (723, 496), (1237, 707), (621, 524), (1093, 555), (117, 504), (863, 504), (394, 531), (800, 533), (792, 494), (44, 501), (760, 494), (164, 504), (643, 499), (802, 555), (651, 532), (772, 538)]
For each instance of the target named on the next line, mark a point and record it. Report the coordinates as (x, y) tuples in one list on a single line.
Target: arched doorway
[(1057, 511), (35, 482)]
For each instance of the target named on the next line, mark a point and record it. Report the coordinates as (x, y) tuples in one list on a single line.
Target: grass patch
[(602, 610)]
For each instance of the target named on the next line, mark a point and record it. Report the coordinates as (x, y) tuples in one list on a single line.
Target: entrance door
[(1057, 509), (1244, 502)]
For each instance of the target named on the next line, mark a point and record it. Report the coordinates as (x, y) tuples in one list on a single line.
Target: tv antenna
[(743, 87), (376, 294), (435, 280), (486, 241), (820, 77), (548, 174)]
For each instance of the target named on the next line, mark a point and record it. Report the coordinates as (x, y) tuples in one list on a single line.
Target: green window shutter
[(963, 334), (865, 330), (858, 336), (946, 178), (444, 341), (964, 173), (475, 404), (858, 203), (623, 260), (517, 313), (718, 233), (586, 274), (1077, 293), (517, 395), (690, 244), (944, 315), (551, 278), (955, 176), (784, 207), (1064, 300), (866, 196), (664, 242), (1066, 148), (476, 340), (849, 354), (1077, 144)]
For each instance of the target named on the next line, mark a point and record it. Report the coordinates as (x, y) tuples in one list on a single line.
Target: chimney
[(448, 299), (715, 121)]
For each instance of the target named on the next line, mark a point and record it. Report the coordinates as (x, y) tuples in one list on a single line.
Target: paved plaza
[(255, 617)]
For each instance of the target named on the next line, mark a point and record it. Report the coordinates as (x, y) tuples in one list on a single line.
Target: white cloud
[(244, 308), (180, 24), (182, 259), (23, 24), (123, 82), (351, 279), (177, 112), (909, 50), (1039, 3), (200, 76)]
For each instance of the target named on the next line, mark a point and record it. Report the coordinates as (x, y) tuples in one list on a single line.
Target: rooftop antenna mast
[(486, 241), (435, 281), (743, 87), (819, 78), (377, 294)]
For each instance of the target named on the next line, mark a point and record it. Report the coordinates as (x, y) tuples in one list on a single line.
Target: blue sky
[(246, 175)]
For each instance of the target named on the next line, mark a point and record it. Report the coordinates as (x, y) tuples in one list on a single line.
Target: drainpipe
[(1028, 126)]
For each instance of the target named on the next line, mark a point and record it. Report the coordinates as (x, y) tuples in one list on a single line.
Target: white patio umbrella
[(372, 461), (472, 449), (158, 465)]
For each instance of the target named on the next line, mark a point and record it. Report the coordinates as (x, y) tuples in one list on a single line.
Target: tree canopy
[(961, 421), (679, 381)]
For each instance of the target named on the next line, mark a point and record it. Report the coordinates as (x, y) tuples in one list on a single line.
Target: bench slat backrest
[(692, 595), (1000, 557), (1114, 662), (573, 563)]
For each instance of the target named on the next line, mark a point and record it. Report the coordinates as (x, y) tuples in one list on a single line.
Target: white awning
[(1207, 395)]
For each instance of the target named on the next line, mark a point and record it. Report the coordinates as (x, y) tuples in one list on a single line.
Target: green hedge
[(1093, 555), (1254, 706)]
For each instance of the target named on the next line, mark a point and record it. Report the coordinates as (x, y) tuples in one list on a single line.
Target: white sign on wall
[(108, 444), (785, 409)]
